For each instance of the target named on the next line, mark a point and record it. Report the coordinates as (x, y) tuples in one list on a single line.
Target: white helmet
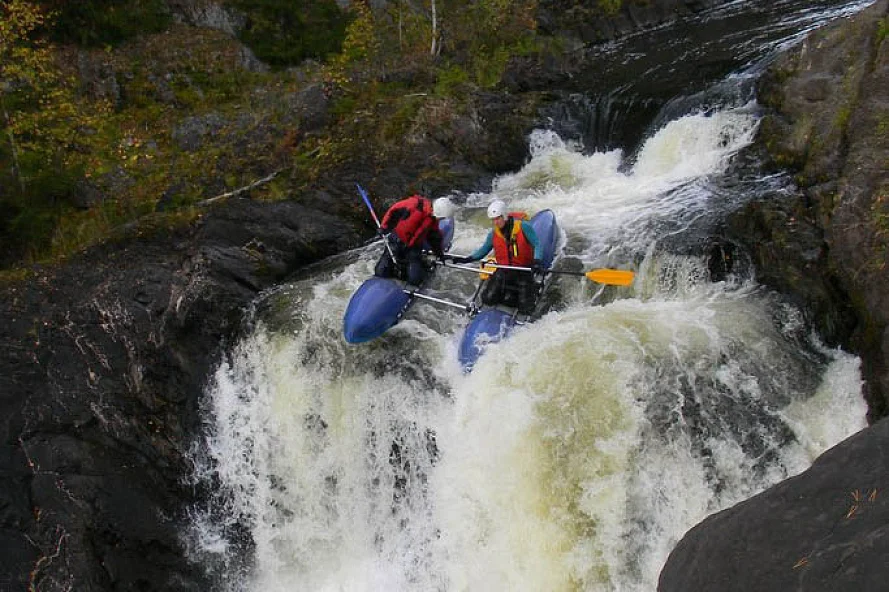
[(442, 208), (496, 209)]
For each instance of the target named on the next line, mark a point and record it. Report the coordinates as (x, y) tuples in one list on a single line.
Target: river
[(579, 450)]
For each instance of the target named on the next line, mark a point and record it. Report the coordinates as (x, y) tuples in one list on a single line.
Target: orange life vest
[(412, 228), (515, 249)]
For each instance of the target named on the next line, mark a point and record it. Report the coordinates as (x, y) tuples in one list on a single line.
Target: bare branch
[(241, 190)]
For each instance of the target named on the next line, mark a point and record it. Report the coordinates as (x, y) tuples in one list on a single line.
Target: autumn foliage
[(74, 166), (43, 122)]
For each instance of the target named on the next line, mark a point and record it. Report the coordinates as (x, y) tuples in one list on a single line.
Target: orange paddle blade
[(613, 277)]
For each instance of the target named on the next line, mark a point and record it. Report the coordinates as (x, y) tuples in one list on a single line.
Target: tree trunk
[(433, 51), (400, 28), (16, 169)]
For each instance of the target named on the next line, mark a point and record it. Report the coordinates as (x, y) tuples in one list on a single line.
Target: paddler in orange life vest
[(515, 243), (411, 225)]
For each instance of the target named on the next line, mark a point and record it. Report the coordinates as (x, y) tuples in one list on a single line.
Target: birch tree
[(41, 112), (433, 51), (23, 65)]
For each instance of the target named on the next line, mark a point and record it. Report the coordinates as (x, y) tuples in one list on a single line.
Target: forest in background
[(113, 111)]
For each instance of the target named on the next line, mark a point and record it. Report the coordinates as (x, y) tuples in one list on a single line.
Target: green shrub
[(610, 7), (286, 32), (489, 68), (450, 79), (96, 23), (28, 218)]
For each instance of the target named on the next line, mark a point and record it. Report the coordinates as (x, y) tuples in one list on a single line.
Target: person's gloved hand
[(537, 267)]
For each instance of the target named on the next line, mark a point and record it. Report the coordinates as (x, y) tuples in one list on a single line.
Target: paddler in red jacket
[(411, 224), (515, 243)]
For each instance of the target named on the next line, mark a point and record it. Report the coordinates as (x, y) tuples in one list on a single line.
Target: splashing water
[(576, 453), (580, 449)]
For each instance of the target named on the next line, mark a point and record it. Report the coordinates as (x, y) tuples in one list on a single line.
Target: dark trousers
[(409, 266), (511, 288)]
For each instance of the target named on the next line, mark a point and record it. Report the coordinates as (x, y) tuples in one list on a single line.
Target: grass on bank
[(134, 156)]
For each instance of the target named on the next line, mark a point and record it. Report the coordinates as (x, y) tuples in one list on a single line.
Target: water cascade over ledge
[(579, 450)]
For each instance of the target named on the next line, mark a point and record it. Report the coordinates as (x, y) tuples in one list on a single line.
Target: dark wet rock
[(790, 255), (104, 361), (826, 122), (825, 529), (191, 133), (590, 22), (825, 248)]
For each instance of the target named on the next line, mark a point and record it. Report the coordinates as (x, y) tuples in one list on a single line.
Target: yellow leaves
[(19, 20), (26, 64), (360, 48), (42, 114), (858, 498), (855, 509), (20, 53)]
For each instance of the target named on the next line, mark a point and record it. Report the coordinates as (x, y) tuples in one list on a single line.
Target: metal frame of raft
[(379, 304)]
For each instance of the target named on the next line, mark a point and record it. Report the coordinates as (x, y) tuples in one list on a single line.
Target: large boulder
[(825, 529)]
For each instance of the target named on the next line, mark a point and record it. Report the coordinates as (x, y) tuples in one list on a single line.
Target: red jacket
[(412, 222)]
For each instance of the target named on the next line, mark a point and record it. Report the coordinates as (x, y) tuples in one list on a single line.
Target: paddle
[(373, 215), (612, 277)]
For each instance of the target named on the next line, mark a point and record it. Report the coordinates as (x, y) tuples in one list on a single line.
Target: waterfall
[(580, 449)]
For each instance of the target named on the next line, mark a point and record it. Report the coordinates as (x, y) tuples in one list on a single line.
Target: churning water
[(579, 450)]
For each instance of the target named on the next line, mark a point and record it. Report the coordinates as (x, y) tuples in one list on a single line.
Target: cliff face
[(103, 363), (828, 120), (591, 22)]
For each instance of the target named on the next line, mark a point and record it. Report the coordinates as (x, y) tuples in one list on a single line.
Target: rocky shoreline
[(827, 120), (105, 358)]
